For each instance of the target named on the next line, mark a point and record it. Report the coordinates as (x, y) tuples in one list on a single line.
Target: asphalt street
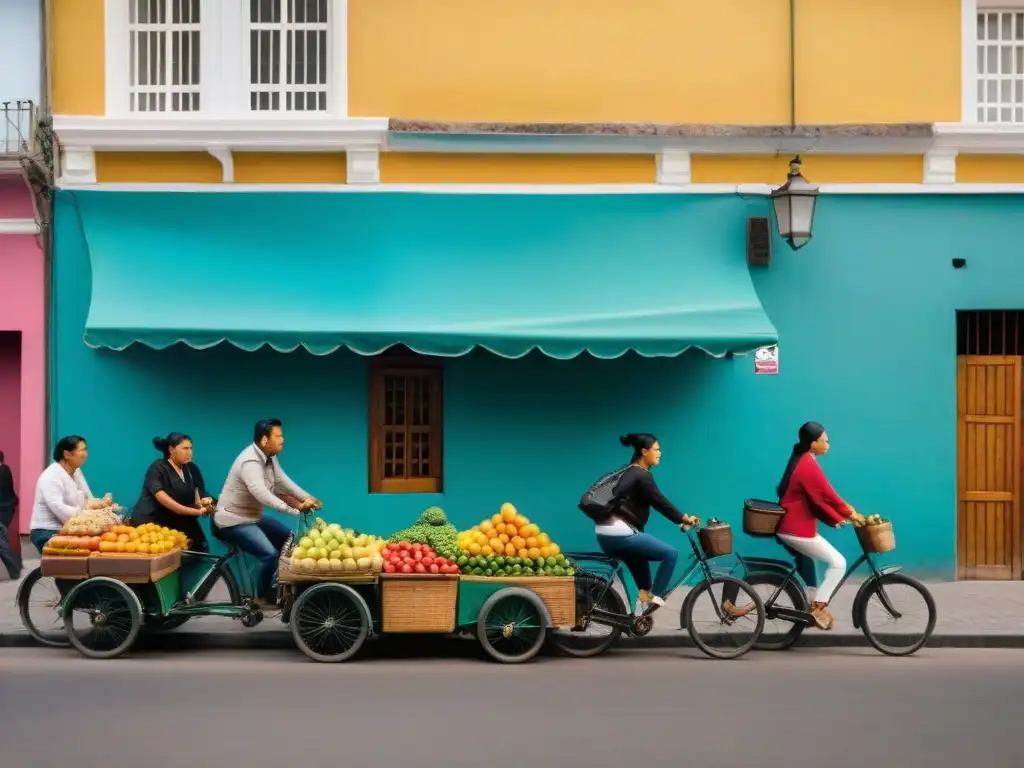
[(804, 709)]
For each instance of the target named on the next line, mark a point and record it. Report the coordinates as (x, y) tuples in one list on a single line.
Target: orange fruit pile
[(147, 539), (509, 534)]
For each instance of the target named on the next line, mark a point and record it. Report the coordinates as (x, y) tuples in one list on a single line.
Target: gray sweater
[(254, 482)]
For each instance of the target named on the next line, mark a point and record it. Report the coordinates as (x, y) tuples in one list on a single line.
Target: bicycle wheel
[(591, 592), (778, 634), (222, 587), (512, 625), (330, 622), (910, 599), (110, 617), (729, 637), (38, 606)]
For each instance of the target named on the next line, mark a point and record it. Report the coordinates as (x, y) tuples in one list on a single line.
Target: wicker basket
[(877, 539), (716, 538), (761, 518), (421, 603), (285, 575)]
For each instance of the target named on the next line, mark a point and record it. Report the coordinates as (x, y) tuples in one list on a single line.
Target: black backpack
[(599, 502)]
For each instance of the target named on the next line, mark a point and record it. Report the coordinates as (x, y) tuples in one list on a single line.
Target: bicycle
[(599, 604), (116, 612), (782, 577)]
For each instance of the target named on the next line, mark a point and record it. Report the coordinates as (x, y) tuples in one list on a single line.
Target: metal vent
[(759, 241), (990, 332)]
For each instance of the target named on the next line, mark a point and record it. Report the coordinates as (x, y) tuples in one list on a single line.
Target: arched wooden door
[(989, 467)]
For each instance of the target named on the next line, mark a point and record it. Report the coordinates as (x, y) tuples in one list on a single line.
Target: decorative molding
[(940, 166), (227, 162), (179, 133), (78, 166), (362, 165), (672, 166), (19, 227), (564, 189)]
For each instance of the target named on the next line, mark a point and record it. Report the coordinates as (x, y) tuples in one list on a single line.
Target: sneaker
[(735, 611), (643, 601), (822, 618)]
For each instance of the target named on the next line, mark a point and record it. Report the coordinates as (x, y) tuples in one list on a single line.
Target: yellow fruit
[(545, 551), (511, 531), (520, 521), (508, 513), (510, 551), (533, 552), (486, 551), (490, 533), (474, 548), (144, 548), (523, 553), (555, 550), (543, 539), (503, 538), (496, 519), (532, 542), (519, 542), (497, 544), (500, 527), (475, 529)]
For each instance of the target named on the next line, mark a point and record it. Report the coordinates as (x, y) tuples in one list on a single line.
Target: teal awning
[(440, 273)]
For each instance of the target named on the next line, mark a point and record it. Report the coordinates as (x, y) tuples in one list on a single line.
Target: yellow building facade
[(212, 91)]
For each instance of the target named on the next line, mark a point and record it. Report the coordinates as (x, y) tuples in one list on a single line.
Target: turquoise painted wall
[(866, 318)]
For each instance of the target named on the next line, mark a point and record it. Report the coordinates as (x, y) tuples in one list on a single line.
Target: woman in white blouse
[(61, 491)]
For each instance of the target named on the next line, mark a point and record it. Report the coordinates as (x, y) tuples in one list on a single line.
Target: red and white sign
[(766, 361)]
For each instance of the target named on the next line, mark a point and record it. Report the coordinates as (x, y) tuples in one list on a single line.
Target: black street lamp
[(794, 207)]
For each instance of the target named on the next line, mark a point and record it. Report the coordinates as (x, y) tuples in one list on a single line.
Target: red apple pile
[(403, 557)]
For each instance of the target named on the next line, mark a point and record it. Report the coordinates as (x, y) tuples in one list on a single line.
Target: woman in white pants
[(807, 496)]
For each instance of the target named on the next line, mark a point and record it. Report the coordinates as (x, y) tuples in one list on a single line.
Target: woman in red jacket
[(807, 496)]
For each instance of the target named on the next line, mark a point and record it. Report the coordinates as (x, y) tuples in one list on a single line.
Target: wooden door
[(989, 467)]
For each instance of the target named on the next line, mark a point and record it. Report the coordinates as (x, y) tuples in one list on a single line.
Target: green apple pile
[(331, 549)]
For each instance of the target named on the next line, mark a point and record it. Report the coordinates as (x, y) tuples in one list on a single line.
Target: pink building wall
[(23, 309)]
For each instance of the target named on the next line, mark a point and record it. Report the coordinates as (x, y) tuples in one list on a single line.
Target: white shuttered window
[(289, 55), (1000, 66), (163, 49)]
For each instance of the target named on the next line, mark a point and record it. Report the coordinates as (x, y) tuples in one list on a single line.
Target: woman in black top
[(622, 534), (174, 493)]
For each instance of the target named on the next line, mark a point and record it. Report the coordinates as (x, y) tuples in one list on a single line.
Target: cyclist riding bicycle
[(807, 496), (621, 533)]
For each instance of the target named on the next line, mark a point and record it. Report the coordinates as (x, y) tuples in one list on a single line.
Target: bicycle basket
[(877, 539), (761, 518), (715, 538)]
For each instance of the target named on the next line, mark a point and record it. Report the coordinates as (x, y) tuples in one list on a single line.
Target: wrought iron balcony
[(17, 129)]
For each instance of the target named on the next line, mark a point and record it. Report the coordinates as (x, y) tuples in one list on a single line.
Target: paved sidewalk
[(970, 614)]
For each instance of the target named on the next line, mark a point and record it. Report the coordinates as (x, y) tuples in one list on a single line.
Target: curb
[(429, 644)]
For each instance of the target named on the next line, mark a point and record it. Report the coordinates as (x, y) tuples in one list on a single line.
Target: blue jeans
[(40, 537), (637, 552), (263, 540)]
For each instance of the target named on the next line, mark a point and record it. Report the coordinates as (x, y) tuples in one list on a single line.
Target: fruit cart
[(331, 617)]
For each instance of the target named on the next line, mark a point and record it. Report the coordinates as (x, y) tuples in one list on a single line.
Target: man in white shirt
[(255, 481)]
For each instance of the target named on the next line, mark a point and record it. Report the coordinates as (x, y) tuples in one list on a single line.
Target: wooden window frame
[(405, 366)]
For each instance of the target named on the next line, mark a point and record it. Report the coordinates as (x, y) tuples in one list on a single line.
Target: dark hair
[(808, 434), (1, 457), (639, 442), (173, 440), (263, 429), (66, 445)]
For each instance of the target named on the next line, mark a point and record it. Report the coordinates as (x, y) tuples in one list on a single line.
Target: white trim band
[(19, 227), (563, 189)]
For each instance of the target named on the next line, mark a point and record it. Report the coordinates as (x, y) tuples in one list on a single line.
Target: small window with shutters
[(405, 426)]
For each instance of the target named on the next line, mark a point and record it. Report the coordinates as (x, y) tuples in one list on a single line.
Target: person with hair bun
[(174, 492), (807, 496), (622, 534)]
